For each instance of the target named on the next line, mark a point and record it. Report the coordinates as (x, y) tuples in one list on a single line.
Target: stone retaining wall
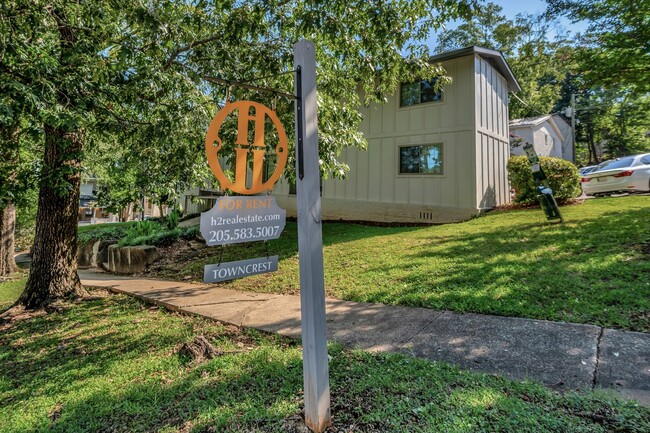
[(129, 260), (113, 258)]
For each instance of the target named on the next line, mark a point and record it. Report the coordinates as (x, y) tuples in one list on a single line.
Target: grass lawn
[(593, 269), (112, 364), (11, 289)]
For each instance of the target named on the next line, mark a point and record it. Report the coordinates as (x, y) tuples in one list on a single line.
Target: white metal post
[(573, 126), (310, 243)]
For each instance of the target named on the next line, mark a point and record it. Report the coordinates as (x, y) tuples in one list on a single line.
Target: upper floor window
[(419, 92)]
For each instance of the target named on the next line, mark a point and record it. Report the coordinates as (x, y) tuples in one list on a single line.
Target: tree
[(18, 171), (540, 64), (488, 28), (614, 49), (157, 161), (17, 137), (612, 123), (8, 158), (612, 78), (93, 66)]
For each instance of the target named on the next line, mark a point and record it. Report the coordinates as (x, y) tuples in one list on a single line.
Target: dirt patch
[(18, 314), (199, 349), (173, 259), (94, 294), (643, 247), (640, 321)]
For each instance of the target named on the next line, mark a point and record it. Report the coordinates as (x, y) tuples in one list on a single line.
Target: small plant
[(141, 230), (562, 175), (173, 219), (162, 237), (102, 232)]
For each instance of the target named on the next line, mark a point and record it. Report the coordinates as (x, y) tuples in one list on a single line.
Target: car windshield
[(616, 163)]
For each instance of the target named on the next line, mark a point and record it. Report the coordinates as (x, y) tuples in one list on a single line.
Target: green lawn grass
[(595, 268), (112, 364), (11, 289)]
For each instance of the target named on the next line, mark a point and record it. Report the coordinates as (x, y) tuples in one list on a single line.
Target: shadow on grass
[(286, 247), (103, 366), (593, 269), (570, 272), (111, 365)]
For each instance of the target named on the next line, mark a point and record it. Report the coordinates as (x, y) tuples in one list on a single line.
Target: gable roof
[(529, 121), (495, 58), (534, 121)]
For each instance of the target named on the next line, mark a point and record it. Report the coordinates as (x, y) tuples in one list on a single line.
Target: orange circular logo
[(248, 111)]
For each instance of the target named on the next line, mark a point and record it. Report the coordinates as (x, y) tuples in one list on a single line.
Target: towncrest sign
[(247, 111)]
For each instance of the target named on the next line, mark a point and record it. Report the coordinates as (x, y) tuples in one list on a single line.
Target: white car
[(625, 174)]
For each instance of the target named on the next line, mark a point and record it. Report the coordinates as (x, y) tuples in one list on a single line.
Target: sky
[(513, 7), (535, 7)]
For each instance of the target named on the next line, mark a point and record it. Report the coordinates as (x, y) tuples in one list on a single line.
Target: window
[(419, 92), (616, 163), (425, 159)]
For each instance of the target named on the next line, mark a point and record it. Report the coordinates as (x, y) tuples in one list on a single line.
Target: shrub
[(173, 219), (102, 232), (162, 237), (562, 176), (141, 230)]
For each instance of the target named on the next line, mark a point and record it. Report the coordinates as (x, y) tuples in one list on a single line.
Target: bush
[(146, 232), (103, 232), (562, 176), (162, 237), (173, 219), (143, 228)]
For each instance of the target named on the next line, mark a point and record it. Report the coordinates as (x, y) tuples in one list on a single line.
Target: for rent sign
[(234, 220)]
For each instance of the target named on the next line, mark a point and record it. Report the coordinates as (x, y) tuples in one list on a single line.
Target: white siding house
[(431, 158), (550, 135)]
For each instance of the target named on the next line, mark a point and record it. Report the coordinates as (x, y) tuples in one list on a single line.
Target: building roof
[(529, 121), (495, 58), (534, 121)]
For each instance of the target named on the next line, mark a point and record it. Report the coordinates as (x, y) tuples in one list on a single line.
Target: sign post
[(310, 243)]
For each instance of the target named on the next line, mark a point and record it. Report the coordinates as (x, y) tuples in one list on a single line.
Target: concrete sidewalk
[(563, 356)]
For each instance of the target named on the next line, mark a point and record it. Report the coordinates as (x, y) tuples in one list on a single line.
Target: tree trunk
[(53, 274), (8, 228)]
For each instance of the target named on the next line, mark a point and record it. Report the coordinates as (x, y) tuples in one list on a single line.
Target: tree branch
[(188, 47)]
